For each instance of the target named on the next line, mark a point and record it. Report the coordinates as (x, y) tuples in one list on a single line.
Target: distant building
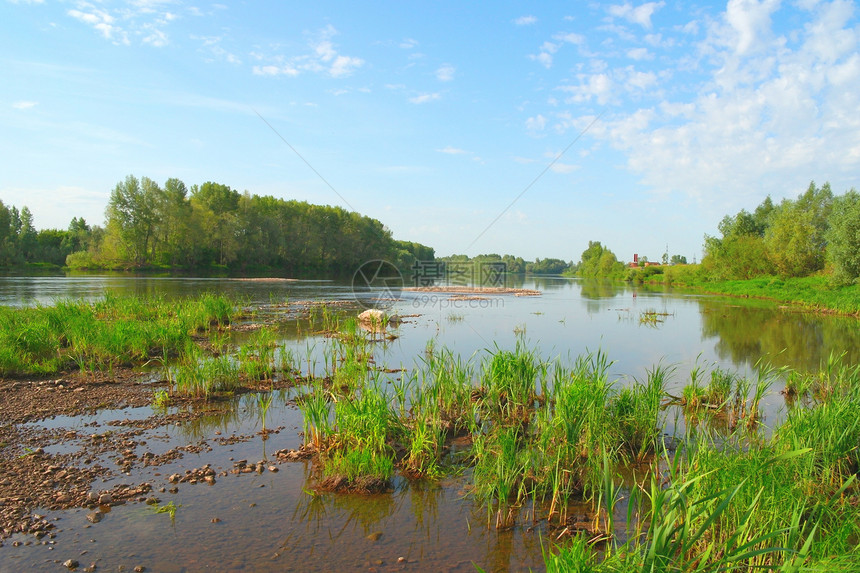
[(647, 263)]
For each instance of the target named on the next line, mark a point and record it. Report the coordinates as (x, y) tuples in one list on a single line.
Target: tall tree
[(843, 236), (27, 240), (796, 236), (131, 216)]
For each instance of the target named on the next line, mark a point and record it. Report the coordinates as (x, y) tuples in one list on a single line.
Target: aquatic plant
[(202, 377), (358, 455), (101, 335), (264, 401), (316, 416), (256, 357), (161, 399), (169, 508)]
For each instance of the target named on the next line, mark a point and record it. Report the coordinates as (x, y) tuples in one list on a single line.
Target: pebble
[(70, 564), (94, 517)]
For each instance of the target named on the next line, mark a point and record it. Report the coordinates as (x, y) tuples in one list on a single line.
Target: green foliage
[(598, 261), (466, 264), (793, 242), (118, 330), (409, 252), (790, 239), (548, 267), (816, 292), (843, 236), (147, 225), (736, 256), (205, 376), (786, 503)]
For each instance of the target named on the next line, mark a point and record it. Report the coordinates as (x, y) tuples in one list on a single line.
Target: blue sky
[(448, 121)]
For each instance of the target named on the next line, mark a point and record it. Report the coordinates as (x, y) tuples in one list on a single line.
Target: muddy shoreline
[(35, 480)]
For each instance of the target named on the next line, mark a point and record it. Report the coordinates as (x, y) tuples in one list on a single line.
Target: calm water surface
[(270, 522)]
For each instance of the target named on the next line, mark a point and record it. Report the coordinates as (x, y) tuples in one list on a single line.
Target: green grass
[(544, 434), (99, 336), (204, 376), (742, 502), (815, 292)]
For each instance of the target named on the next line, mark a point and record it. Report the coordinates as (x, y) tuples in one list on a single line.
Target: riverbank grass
[(101, 335)]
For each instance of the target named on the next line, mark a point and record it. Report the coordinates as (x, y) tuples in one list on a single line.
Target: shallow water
[(270, 521)]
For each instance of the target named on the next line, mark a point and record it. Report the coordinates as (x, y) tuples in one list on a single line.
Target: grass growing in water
[(98, 336), (730, 503), (540, 434)]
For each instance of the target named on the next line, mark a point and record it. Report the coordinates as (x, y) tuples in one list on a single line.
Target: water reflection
[(746, 334)]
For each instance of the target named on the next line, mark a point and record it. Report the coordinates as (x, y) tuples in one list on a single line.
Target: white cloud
[(563, 168), (639, 54), (156, 38), (547, 49), (212, 46), (25, 1), (637, 15), (324, 58), (143, 19), (591, 87), (445, 73), (344, 66), (408, 43), (453, 150), (271, 70), (764, 112), (641, 80), (537, 123), (25, 104), (525, 20), (101, 21), (425, 98), (544, 58), (749, 21)]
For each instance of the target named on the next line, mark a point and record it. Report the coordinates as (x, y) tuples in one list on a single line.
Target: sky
[(506, 127)]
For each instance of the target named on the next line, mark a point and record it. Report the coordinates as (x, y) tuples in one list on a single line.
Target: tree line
[(148, 225), (818, 232), (512, 264), (797, 237)]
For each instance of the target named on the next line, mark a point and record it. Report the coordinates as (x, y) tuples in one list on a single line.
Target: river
[(272, 522)]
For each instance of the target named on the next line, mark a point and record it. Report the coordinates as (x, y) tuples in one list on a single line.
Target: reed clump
[(742, 502)]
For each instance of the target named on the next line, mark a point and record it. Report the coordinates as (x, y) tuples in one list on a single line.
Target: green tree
[(735, 257), (843, 238), (131, 217), (598, 261), (796, 236), (27, 239), (548, 267), (6, 235), (173, 231), (215, 207)]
